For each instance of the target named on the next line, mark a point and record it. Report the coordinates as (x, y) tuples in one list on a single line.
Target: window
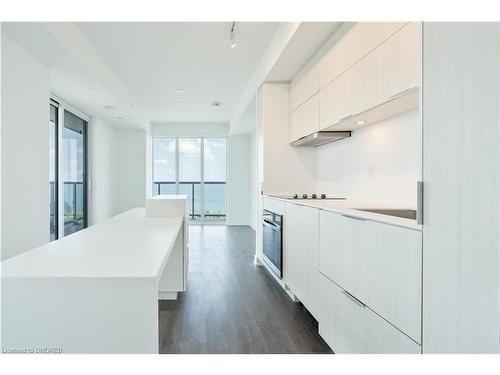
[(190, 174), (53, 180), (68, 170), (196, 167), (74, 158), (215, 177)]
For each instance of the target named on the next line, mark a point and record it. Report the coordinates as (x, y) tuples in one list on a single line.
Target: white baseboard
[(167, 295), (238, 222), (256, 261)]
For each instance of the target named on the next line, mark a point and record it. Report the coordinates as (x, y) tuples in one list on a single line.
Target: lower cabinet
[(380, 264), (360, 279), (301, 255), (350, 327)]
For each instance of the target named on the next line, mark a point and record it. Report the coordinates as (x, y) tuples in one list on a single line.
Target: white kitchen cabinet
[(350, 327), (379, 264), (396, 64), (274, 205), (461, 143), (301, 255), (304, 88), (386, 72), (305, 119), (359, 41)]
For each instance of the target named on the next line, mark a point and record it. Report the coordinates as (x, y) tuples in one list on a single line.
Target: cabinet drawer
[(349, 327), (304, 88), (305, 119), (379, 264), (360, 40), (274, 205)]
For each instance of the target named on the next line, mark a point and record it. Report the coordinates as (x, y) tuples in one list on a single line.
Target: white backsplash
[(380, 162)]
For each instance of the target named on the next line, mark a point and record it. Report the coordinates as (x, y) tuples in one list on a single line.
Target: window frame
[(64, 106), (202, 172), (55, 104)]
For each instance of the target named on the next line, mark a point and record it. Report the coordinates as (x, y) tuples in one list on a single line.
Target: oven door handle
[(271, 225)]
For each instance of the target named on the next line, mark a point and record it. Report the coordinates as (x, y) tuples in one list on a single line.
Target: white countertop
[(349, 207), (129, 245)]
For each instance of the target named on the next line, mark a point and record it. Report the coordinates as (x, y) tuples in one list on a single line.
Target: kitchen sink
[(403, 213)]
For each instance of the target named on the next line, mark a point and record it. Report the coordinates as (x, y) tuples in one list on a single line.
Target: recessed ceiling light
[(180, 91), (109, 107), (120, 118), (216, 104), (360, 122)]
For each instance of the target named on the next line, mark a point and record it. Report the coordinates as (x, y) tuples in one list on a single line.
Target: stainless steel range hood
[(321, 138)]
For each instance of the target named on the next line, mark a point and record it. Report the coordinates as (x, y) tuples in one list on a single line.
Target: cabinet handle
[(354, 217), (353, 299), (401, 93), (420, 202)]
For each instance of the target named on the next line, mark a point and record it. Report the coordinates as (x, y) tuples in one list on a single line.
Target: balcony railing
[(214, 197)]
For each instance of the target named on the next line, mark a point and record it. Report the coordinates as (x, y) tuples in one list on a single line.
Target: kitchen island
[(95, 291)]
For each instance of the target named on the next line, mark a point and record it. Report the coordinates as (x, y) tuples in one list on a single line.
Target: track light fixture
[(232, 37)]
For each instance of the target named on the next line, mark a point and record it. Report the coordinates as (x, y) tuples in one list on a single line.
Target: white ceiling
[(137, 67), (306, 41)]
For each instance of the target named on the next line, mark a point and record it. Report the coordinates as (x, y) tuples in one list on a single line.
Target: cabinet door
[(334, 101), (304, 88), (349, 327), (301, 254), (360, 40), (388, 70), (305, 119), (396, 64), (379, 264)]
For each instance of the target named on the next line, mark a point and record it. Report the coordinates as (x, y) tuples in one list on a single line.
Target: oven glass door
[(272, 242)]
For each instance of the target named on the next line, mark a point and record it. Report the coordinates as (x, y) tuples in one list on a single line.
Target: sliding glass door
[(214, 181), (189, 174), (68, 132), (196, 167), (74, 163)]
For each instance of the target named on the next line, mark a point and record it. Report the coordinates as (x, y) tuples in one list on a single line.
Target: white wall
[(25, 144), (131, 169), (190, 129), (380, 163), (103, 171), (149, 162), (238, 184), (285, 169), (254, 185)]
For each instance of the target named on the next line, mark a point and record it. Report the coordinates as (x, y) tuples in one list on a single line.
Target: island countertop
[(129, 245)]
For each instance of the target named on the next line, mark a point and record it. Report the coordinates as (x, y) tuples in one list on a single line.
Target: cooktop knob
[(323, 196), (314, 196), (304, 196), (295, 196)]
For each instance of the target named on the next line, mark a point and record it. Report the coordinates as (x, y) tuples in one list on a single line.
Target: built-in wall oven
[(272, 238)]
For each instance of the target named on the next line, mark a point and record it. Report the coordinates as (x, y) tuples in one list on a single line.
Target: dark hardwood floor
[(231, 306)]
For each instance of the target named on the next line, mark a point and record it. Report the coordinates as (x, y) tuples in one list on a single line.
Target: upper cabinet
[(304, 88), (359, 41), (371, 74), (385, 75), (305, 119)]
